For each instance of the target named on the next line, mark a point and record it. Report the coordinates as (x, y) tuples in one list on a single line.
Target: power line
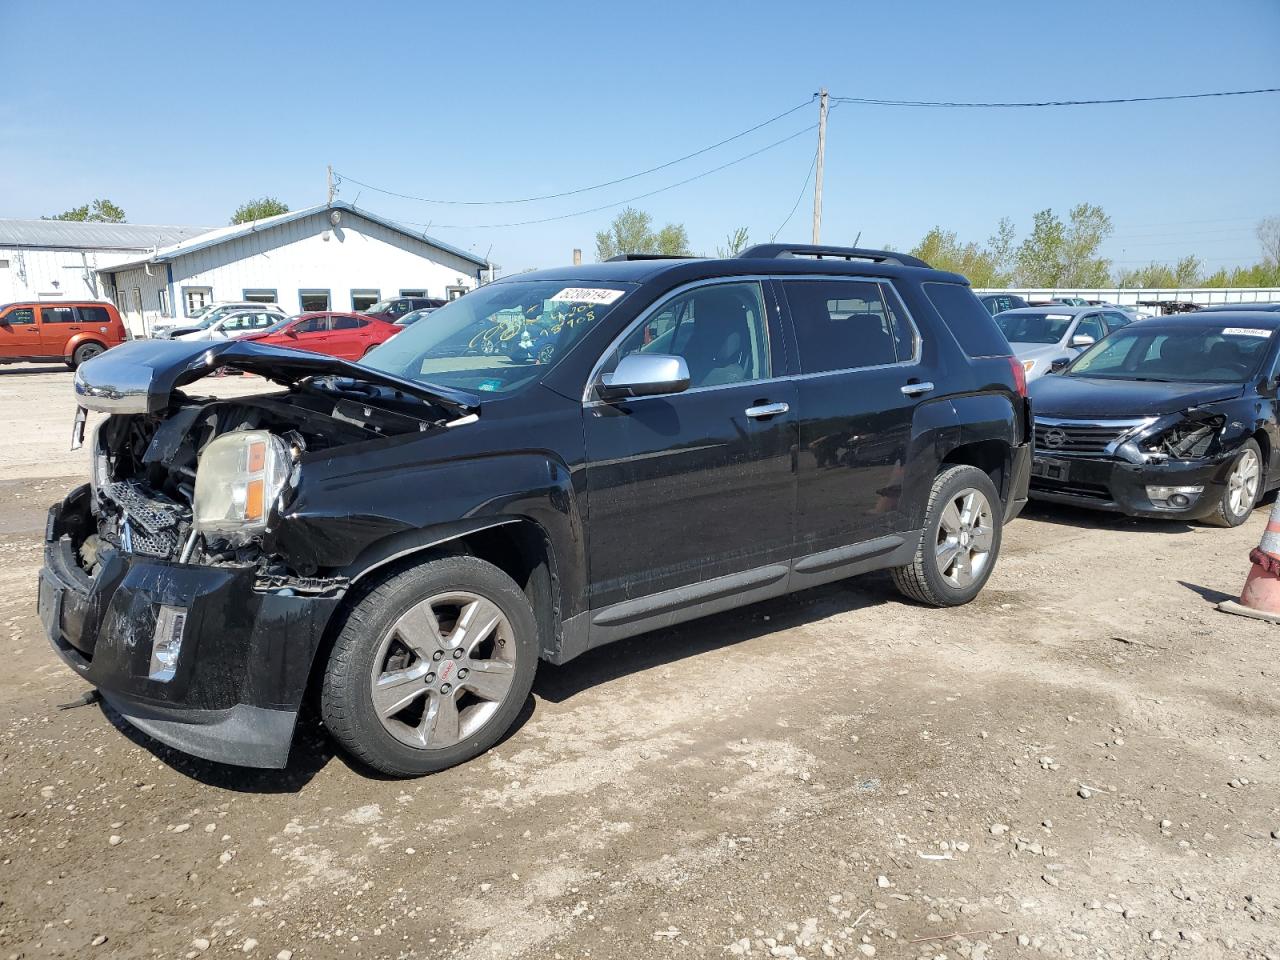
[(595, 186), (800, 196), (873, 101), (618, 203)]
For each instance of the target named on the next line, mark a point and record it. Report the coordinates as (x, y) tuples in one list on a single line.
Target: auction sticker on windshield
[(1057, 316), (1245, 332), (587, 295)]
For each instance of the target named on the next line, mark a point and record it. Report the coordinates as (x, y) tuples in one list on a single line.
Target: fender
[(405, 505)]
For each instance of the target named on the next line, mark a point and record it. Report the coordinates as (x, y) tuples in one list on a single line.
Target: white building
[(327, 257), (60, 259)]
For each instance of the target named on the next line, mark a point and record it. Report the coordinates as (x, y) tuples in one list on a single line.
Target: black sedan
[(1171, 417)]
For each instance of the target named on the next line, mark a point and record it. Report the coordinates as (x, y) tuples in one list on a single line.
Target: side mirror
[(291, 332), (1082, 340), (1058, 365), (644, 375)]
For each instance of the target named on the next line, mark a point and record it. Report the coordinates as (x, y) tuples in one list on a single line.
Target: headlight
[(239, 478), (1186, 440)]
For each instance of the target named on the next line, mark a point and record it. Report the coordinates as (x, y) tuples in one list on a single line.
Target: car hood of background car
[(1075, 397), (138, 377)]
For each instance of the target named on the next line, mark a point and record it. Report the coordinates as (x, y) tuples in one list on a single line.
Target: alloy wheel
[(1242, 484), (443, 669), (965, 536)]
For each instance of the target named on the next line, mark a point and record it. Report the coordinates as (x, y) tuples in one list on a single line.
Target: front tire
[(430, 667), (1243, 490), (960, 541)]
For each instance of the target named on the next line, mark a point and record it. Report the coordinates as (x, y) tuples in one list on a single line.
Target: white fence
[(1130, 296)]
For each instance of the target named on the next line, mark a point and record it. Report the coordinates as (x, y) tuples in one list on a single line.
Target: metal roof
[(214, 237), (76, 235)]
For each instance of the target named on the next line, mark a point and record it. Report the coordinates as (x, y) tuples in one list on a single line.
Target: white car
[(231, 326), (208, 315)]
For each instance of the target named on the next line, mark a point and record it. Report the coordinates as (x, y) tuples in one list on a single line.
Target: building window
[(363, 299), (162, 297), (4, 264), (453, 293), (413, 293), (193, 298), (263, 295), (312, 300)]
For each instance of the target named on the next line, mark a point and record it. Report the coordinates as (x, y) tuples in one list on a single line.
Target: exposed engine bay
[(147, 473)]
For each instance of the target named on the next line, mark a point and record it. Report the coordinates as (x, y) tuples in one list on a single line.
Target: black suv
[(393, 310), (406, 538)]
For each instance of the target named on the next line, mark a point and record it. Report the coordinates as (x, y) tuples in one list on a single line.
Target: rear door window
[(847, 324), (968, 320), (347, 323)]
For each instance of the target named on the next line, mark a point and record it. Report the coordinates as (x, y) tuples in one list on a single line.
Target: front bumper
[(1118, 486), (246, 651)]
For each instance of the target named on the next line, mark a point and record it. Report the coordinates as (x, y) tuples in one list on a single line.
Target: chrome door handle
[(767, 410), (915, 389)]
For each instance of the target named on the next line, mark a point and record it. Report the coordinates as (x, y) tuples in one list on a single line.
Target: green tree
[(1184, 273), (1065, 255), (100, 211), (734, 244), (981, 265), (632, 232), (259, 209), (1269, 236)]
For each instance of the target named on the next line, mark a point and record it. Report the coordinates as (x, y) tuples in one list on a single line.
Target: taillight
[(1019, 376)]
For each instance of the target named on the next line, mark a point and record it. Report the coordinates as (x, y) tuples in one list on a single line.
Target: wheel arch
[(519, 546), (79, 340)]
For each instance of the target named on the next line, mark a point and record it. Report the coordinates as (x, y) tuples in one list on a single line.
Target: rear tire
[(430, 667), (960, 542), (84, 353), (1244, 488)]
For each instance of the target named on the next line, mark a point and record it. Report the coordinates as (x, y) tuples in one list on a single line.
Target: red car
[(346, 335)]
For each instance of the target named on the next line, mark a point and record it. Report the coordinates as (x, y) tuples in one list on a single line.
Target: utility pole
[(329, 178), (822, 149)]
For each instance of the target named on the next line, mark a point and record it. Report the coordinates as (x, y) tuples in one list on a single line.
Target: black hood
[(139, 376), (1076, 397)]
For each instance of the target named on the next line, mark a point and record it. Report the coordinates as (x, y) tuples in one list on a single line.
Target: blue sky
[(179, 112)]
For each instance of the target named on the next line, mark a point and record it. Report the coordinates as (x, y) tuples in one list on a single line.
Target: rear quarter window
[(968, 320)]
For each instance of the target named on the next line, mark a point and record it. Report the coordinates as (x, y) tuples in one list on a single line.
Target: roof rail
[(623, 257), (777, 251)]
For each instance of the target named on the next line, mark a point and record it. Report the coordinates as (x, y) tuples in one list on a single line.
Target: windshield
[(199, 312), (1181, 355), (382, 306), (1046, 327), (500, 337)]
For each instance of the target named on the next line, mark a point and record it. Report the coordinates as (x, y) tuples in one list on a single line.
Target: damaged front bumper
[(1119, 486), (246, 648)]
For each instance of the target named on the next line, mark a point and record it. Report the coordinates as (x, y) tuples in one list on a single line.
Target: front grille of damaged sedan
[(150, 523)]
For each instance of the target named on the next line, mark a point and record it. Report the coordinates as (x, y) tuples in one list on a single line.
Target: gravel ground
[(1084, 762)]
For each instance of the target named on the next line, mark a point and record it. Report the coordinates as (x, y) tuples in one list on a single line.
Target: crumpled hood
[(138, 377), (1077, 397)]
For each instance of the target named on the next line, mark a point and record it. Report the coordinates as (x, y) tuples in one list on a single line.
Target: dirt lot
[(1082, 763)]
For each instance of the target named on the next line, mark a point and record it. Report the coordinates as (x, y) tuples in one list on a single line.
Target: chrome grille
[(1080, 436)]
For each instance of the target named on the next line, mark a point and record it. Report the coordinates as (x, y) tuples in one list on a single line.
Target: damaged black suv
[(406, 538)]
